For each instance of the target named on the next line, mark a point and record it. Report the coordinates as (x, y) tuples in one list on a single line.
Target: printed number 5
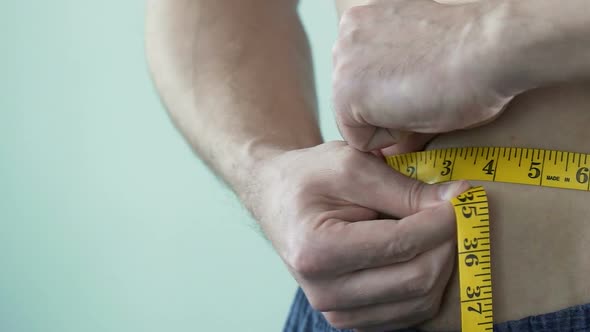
[(534, 171), (468, 211)]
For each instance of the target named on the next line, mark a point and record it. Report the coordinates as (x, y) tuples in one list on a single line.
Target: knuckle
[(403, 248), (342, 95), (349, 89), (348, 50), (304, 261), (321, 301), (429, 308), (421, 283), (344, 62), (350, 37), (339, 320)]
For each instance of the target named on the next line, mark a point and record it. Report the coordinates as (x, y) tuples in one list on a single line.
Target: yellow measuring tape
[(547, 168)]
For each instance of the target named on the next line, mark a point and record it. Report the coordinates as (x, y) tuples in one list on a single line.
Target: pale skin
[(236, 78)]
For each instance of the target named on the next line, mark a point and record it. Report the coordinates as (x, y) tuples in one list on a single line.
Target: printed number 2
[(411, 171)]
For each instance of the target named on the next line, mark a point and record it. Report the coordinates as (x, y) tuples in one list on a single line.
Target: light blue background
[(107, 220)]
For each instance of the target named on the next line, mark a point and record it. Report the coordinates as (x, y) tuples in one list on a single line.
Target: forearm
[(236, 78), (551, 39)]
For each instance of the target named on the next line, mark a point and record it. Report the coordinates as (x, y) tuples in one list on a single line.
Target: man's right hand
[(321, 209), (420, 67)]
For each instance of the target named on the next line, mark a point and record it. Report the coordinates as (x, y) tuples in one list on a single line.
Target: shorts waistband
[(302, 318)]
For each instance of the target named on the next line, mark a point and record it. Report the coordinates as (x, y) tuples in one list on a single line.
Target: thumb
[(367, 137), (382, 189), (422, 196), (362, 135)]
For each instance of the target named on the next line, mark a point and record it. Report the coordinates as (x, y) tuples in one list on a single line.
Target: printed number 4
[(489, 168)]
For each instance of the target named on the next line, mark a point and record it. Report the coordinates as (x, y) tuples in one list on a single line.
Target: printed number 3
[(447, 168), (465, 197)]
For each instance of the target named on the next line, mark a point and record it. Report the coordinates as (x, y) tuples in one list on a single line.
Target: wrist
[(253, 159)]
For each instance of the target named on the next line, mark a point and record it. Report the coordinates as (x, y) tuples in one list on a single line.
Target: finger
[(395, 314), (374, 125), (377, 318), (344, 247), (379, 154), (373, 184), (414, 142), (391, 283), (383, 137), (367, 137)]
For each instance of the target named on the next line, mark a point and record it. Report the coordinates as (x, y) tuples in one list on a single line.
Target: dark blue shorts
[(302, 318)]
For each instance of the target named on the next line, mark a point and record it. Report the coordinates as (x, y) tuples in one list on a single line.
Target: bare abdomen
[(540, 236)]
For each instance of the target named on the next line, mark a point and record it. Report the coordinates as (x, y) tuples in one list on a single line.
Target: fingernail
[(449, 190)]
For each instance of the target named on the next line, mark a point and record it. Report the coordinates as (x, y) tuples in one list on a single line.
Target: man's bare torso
[(540, 236)]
